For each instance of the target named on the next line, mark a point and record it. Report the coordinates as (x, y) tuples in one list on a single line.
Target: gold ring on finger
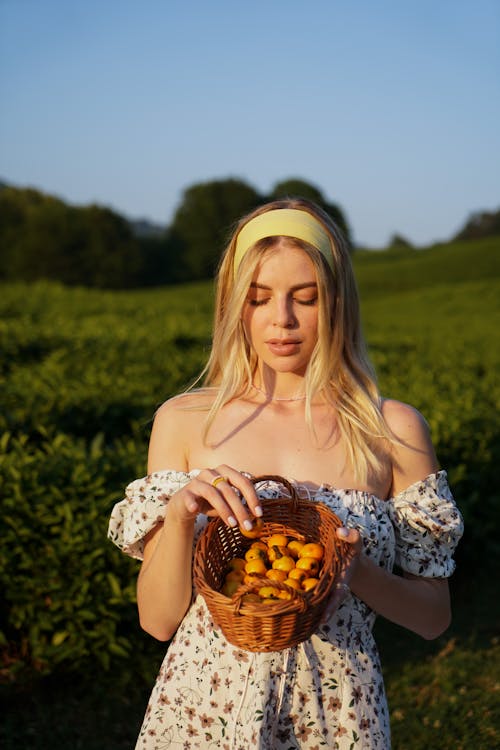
[(216, 480)]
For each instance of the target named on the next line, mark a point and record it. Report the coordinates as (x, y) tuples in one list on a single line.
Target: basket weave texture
[(279, 624)]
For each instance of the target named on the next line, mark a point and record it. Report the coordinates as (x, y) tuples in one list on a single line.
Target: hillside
[(380, 272)]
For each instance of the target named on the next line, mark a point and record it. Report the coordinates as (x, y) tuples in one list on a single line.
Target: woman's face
[(280, 315)]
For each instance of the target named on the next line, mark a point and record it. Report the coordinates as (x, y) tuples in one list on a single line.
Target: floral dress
[(326, 692)]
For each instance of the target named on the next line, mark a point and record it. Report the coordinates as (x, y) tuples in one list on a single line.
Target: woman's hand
[(341, 589), (164, 587), (222, 492)]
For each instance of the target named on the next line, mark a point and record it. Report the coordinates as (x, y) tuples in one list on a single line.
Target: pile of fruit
[(297, 564)]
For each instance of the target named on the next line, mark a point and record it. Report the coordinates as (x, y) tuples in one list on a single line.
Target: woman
[(288, 391)]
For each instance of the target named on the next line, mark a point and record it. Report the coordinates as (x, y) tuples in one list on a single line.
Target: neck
[(297, 397)]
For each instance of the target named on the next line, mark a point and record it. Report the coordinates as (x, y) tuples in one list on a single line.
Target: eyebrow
[(295, 288)]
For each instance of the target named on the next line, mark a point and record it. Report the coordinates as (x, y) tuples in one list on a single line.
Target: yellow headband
[(286, 222)]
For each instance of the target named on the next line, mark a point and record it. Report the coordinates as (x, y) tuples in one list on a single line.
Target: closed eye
[(259, 302), (307, 301)]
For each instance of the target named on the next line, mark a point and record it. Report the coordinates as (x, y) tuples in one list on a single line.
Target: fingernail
[(258, 511), (248, 525), (232, 521), (343, 531)]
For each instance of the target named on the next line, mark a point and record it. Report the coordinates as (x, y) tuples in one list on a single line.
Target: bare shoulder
[(201, 398), (175, 423), (406, 422), (413, 455)]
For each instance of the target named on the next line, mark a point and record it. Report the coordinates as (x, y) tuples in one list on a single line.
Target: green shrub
[(68, 594), (81, 374)]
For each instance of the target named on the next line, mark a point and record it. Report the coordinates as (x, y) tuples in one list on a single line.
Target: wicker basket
[(282, 623)]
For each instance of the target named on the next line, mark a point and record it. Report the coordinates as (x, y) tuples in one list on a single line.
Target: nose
[(284, 316)]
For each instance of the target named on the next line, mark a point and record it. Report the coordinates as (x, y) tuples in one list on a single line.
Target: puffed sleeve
[(428, 527), (142, 508)]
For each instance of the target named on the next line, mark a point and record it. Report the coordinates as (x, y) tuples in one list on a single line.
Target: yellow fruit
[(259, 545), (294, 548), (292, 583), (256, 531), (276, 575), (285, 595), (310, 564), (254, 553), (312, 550), (275, 552), (277, 540), (285, 563), (269, 592), (256, 567), (297, 574), (309, 583)]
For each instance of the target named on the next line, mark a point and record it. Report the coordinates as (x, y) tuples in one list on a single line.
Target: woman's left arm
[(419, 604)]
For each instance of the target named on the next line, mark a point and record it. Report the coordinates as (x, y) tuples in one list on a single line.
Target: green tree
[(480, 224), (43, 238), (110, 255), (398, 242), (162, 260), (204, 220), (15, 208), (294, 187)]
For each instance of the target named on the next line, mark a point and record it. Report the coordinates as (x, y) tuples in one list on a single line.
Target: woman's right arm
[(164, 586)]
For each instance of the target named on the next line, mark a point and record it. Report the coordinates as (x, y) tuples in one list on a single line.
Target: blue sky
[(391, 108)]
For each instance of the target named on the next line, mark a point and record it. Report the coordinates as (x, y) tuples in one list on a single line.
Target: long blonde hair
[(339, 367)]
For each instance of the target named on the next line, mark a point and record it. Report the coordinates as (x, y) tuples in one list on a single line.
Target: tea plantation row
[(82, 372)]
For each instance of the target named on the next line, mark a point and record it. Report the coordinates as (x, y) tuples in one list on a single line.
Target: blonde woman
[(288, 390)]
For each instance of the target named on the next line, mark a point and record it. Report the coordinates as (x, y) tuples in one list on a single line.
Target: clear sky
[(391, 108)]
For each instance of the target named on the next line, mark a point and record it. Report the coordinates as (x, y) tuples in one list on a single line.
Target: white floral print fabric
[(328, 691)]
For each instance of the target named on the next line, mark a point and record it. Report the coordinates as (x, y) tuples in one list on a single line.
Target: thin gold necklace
[(276, 398)]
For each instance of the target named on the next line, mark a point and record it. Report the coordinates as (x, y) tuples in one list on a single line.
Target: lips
[(283, 347)]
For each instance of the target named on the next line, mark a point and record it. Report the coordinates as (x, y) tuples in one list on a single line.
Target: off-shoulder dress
[(327, 692)]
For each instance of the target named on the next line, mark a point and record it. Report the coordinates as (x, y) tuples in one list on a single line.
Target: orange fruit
[(256, 531), (309, 583), (294, 548), (276, 575), (297, 574), (256, 567), (259, 545), (285, 563), (269, 592), (310, 564), (254, 553), (277, 540), (312, 549), (292, 583), (275, 552)]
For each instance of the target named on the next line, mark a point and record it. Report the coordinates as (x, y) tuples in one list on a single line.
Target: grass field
[(81, 374)]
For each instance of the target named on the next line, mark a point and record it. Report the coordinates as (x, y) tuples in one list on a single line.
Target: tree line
[(42, 237)]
